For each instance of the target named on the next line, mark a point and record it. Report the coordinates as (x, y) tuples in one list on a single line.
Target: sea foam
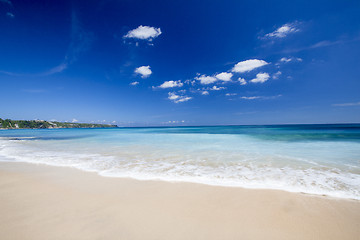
[(249, 160)]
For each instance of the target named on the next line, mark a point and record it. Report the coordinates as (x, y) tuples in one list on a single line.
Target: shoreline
[(180, 181), (48, 202), (293, 160)]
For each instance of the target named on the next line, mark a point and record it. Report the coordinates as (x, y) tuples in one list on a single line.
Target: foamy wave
[(205, 168)]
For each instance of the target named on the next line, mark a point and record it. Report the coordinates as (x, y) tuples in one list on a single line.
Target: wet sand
[(43, 202)]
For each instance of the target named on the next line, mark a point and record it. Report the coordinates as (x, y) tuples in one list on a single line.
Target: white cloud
[(190, 82), (215, 88), (134, 83), (173, 96), (177, 98), (260, 78), (224, 76), (242, 81), (260, 97), (231, 94), (206, 79), (248, 65), (204, 93), (286, 60), (74, 120), (171, 84), (276, 75), (183, 99), (174, 122), (144, 71), (144, 33), (250, 98), (284, 30), (346, 104)]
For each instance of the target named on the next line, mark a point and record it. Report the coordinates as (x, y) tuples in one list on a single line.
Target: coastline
[(46, 202)]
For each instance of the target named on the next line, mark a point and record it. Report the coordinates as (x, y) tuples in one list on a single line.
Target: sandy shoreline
[(42, 202)]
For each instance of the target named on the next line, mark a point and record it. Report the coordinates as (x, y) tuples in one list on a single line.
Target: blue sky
[(141, 63)]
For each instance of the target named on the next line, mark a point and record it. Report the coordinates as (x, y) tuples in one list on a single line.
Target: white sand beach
[(43, 202)]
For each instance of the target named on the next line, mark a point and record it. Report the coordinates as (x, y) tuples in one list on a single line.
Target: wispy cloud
[(6, 2), (14, 74), (290, 59), (33, 90), (80, 42), (250, 98), (331, 43), (284, 30), (59, 68), (134, 83), (260, 97), (10, 15), (326, 43), (276, 75), (178, 98), (321, 44), (347, 104)]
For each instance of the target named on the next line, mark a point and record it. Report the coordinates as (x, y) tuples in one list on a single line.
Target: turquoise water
[(316, 159)]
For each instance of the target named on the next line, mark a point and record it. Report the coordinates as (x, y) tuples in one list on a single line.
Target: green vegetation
[(34, 124)]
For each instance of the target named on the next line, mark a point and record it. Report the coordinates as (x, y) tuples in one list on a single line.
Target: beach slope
[(42, 202)]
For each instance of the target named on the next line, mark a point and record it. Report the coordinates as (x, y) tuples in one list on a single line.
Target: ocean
[(316, 159)]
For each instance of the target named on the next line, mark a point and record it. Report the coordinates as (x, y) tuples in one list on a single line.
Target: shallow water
[(316, 159)]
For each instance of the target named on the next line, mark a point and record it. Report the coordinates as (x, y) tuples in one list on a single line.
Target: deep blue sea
[(315, 159)]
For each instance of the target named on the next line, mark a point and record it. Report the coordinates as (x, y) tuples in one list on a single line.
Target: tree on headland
[(38, 124)]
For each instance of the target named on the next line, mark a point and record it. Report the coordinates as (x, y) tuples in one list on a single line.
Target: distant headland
[(42, 124)]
